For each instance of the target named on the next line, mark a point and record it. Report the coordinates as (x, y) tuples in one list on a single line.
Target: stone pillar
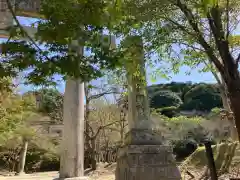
[(72, 154), (6, 18), (72, 150), (144, 156)]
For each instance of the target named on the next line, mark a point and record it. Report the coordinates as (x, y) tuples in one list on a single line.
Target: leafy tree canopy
[(51, 103), (15, 112), (202, 97), (69, 23)]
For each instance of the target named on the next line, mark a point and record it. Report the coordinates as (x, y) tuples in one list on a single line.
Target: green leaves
[(234, 40), (67, 20), (165, 98), (15, 111), (51, 104), (209, 3), (182, 36)]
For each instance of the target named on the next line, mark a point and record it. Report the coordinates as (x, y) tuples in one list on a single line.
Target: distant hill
[(177, 96)]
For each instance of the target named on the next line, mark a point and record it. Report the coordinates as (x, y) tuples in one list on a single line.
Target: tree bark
[(123, 116), (226, 106), (234, 97), (22, 158), (224, 98)]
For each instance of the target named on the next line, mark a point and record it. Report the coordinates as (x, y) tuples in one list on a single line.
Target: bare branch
[(190, 46), (183, 28), (103, 127), (102, 94), (87, 123), (116, 129)]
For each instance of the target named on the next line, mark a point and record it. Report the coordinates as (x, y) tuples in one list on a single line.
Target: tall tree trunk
[(22, 158), (224, 98), (226, 106), (234, 97)]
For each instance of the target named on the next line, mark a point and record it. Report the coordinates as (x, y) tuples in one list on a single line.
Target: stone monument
[(144, 155)]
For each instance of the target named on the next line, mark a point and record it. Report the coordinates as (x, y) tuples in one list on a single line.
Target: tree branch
[(214, 19), (116, 129), (102, 94), (222, 43), (88, 125), (183, 28), (190, 46), (22, 29), (213, 73), (193, 23), (227, 19), (103, 127)]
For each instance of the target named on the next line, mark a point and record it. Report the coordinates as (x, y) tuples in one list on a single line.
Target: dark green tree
[(165, 99), (51, 103), (181, 88), (202, 97)]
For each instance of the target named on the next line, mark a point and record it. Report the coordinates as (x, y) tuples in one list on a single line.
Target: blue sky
[(181, 77)]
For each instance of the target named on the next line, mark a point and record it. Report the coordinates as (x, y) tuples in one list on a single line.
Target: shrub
[(183, 148), (162, 99), (169, 111), (50, 162), (38, 160)]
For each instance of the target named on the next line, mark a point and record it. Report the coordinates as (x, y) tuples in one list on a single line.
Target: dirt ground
[(103, 172), (106, 172)]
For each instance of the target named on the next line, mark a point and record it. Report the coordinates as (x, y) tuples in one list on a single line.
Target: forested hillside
[(176, 96), (169, 99)]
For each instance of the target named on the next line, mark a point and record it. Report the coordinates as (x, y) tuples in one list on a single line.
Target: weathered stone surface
[(72, 147), (143, 137), (144, 157), (146, 162), (6, 18)]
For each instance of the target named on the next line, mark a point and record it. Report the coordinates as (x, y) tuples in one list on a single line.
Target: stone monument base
[(146, 162), (140, 136)]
